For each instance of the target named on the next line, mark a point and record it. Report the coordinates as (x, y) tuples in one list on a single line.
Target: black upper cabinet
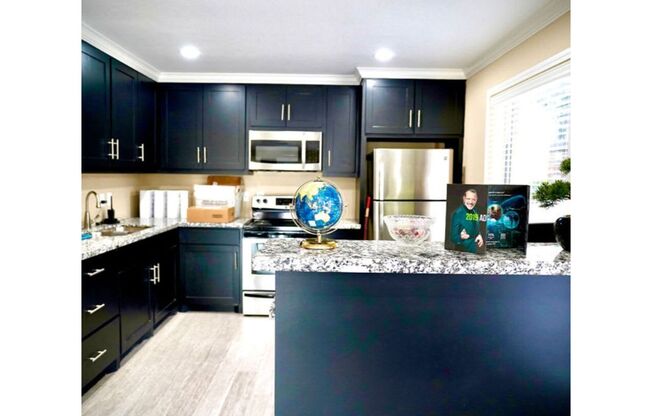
[(408, 107), (203, 128), (224, 128), (146, 123), (340, 156), (440, 107), (181, 129), (96, 111), (118, 115), (389, 106), (124, 96), (285, 106)]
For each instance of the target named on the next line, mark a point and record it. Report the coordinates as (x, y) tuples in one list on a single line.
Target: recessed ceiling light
[(384, 55), (190, 52)]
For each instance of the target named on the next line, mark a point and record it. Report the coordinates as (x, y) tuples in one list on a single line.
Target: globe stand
[(319, 243)]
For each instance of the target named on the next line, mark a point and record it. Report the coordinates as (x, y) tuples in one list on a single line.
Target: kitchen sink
[(123, 230)]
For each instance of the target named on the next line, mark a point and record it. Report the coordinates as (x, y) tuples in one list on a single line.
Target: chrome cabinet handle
[(289, 111), (158, 272), (117, 146), (235, 260), (97, 308), (410, 120), (198, 161), (204, 154), (419, 119), (94, 272), (153, 270), (282, 112), (97, 357), (329, 158), (112, 154), (142, 152)]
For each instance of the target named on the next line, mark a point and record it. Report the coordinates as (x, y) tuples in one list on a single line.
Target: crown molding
[(543, 18), (410, 73), (116, 51), (253, 78)]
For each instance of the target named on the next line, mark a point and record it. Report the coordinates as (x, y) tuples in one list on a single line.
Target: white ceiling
[(313, 36)]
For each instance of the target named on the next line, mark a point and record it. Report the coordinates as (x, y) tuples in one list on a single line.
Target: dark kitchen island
[(376, 328)]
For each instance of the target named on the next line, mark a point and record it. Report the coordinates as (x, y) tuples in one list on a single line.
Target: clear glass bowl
[(409, 229)]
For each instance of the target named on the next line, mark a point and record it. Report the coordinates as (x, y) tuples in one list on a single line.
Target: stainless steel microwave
[(285, 150)]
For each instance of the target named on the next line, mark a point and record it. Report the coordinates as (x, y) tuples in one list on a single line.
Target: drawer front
[(100, 350), (209, 236), (257, 303), (99, 300)]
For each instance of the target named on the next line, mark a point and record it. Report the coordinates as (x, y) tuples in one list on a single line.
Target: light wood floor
[(197, 363)]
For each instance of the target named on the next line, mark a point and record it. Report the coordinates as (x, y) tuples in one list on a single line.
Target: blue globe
[(318, 205)]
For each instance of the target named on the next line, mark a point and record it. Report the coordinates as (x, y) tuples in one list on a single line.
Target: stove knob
[(258, 200), (265, 201)]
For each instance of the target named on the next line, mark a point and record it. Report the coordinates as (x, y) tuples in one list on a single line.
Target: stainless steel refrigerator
[(410, 181)]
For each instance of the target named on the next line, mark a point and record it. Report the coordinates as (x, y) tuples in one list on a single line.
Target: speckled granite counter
[(100, 245), (391, 257)]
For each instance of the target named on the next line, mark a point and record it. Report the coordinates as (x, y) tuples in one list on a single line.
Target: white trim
[(252, 78), (542, 66), (116, 51), (537, 69), (541, 19), (410, 73)]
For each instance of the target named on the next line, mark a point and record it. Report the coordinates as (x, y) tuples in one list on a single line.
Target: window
[(528, 131)]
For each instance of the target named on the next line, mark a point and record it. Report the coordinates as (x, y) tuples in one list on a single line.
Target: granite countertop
[(545, 259), (99, 245)]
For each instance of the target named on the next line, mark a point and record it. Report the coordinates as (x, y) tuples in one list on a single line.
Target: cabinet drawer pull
[(204, 154), (153, 270), (97, 308), (410, 120), (93, 273), (282, 112), (142, 152), (329, 158), (117, 146), (198, 161), (289, 111), (235, 261), (419, 119), (112, 154), (97, 357), (158, 272)]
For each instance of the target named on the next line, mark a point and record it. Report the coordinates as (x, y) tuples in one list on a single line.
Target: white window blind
[(528, 134)]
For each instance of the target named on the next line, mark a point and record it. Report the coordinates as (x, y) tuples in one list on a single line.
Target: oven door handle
[(260, 295)]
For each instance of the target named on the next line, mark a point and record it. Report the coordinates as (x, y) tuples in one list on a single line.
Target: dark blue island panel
[(401, 344)]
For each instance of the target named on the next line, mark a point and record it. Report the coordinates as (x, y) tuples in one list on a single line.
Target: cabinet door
[(165, 288), (211, 275), (124, 93), (340, 154), (135, 316), (266, 106), (305, 106), (146, 124), (440, 107), (224, 128), (389, 106), (96, 111), (181, 130)]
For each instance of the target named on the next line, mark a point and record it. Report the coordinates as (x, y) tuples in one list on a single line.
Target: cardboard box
[(224, 180), (211, 214)]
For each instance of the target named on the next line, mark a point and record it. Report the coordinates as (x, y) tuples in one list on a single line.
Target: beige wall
[(549, 41), (126, 188)]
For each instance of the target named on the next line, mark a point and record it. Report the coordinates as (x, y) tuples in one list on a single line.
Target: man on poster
[(465, 224)]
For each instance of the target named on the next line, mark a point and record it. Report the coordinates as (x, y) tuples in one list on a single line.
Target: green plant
[(549, 194)]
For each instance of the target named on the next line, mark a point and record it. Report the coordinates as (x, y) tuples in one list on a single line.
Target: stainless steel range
[(271, 218)]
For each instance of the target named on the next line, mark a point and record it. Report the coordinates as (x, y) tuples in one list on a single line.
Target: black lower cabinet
[(210, 269), (135, 316), (164, 289)]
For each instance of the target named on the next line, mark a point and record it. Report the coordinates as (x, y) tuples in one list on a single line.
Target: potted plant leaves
[(549, 194)]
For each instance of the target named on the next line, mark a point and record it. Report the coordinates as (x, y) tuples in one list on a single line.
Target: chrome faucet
[(88, 222)]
